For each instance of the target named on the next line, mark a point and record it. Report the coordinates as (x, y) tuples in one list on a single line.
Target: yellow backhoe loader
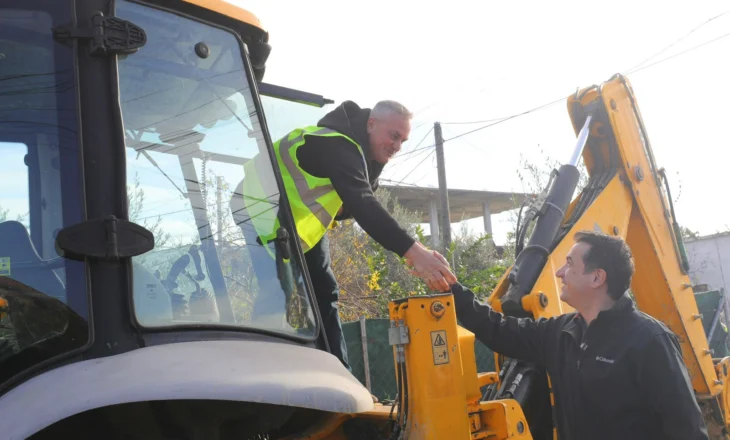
[(128, 287)]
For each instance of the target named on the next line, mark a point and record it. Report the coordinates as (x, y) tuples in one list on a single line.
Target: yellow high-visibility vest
[(313, 200)]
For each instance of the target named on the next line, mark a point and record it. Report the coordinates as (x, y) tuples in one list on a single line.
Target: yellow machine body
[(440, 389), (633, 206), (439, 394)]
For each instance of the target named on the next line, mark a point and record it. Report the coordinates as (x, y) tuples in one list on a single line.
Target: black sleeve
[(341, 162), (518, 338), (345, 215), (668, 390)]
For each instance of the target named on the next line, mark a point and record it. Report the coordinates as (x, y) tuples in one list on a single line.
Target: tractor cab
[(136, 183)]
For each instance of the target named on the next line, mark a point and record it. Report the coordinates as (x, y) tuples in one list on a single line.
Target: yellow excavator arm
[(627, 195), (440, 393)]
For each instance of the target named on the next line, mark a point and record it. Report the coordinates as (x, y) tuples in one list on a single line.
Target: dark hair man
[(616, 372)]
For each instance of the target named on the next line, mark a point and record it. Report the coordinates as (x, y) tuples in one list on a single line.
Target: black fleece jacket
[(622, 377), (339, 160)]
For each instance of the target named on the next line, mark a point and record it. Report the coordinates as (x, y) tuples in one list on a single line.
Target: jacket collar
[(576, 327)]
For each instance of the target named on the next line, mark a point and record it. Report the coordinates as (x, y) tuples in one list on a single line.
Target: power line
[(396, 181), (496, 121), (472, 122), (417, 145), (680, 53), (421, 125), (415, 168), (493, 122), (676, 42), (540, 107), (412, 156), (416, 149), (470, 144)]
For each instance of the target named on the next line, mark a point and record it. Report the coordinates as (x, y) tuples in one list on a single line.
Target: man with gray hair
[(331, 171)]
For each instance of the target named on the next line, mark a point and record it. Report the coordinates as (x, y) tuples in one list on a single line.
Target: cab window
[(200, 177), (43, 297)]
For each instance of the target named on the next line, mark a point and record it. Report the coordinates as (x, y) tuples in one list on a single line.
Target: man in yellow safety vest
[(330, 172)]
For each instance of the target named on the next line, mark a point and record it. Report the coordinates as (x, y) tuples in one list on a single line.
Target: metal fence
[(374, 366)]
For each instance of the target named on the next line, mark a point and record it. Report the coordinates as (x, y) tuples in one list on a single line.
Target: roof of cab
[(229, 10)]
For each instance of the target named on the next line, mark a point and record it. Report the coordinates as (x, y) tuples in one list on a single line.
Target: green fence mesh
[(707, 304), (380, 356), (380, 353)]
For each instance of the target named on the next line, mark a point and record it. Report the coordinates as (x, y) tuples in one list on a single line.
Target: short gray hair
[(387, 107)]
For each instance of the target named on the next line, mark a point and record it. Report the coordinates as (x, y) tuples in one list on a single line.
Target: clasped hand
[(431, 267)]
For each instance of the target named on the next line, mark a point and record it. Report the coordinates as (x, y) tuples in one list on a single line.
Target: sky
[(465, 61)]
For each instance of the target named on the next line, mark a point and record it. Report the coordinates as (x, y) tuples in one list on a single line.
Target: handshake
[(431, 267)]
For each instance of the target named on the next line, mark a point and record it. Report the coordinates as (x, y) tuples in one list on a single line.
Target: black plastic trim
[(293, 95), (109, 238), (106, 191), (73, 355), (256, 38)]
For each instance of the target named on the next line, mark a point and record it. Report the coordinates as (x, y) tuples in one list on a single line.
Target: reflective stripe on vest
[(313, 200)]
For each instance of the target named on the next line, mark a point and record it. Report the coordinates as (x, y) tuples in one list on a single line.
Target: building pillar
[(435, 237), (487, 218)]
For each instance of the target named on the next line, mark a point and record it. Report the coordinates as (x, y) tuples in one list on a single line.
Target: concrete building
[(464, 204), (709, 260)]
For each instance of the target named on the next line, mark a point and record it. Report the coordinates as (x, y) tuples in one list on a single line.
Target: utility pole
[(219, 207), (445, 217)]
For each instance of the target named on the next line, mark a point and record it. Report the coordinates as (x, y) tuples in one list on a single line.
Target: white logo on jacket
[(603, 359)]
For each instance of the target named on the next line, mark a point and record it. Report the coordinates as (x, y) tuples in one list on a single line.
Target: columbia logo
[(603, 359)]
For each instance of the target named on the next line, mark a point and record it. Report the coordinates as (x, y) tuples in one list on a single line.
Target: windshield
[(43, 302), (200, 178)]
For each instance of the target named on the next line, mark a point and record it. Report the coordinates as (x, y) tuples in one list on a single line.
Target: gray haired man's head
[(389, 126)]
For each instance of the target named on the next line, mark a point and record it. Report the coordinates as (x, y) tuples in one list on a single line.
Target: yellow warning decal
[(439, 347), (5, 267)]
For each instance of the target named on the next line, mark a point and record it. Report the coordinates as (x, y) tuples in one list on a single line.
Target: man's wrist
[(463, 297), (408, 251)]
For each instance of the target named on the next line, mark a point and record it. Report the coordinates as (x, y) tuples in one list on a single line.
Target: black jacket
[(339, 160), (622, 378)]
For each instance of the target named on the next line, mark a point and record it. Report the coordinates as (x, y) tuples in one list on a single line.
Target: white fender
[(250, 371)]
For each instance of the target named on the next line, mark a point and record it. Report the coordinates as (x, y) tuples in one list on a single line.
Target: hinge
[(107, 35), (109, 238)]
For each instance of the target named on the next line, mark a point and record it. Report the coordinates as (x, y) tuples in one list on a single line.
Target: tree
[(688, 234), (21, 218), (370, 276), (136, 197)]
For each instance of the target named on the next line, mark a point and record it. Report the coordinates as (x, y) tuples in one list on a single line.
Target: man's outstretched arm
[(521, 338), (345, 167)]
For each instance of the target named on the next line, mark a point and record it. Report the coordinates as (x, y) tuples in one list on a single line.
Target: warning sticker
[(439, 347), (5, 266)]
